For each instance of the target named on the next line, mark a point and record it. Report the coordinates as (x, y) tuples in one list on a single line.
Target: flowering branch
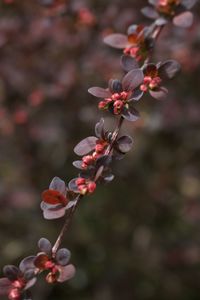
[(97, 152)]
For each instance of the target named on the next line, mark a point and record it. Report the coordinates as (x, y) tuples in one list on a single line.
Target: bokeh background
[(139, 237)]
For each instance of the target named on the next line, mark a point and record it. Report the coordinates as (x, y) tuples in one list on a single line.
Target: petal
[(128, 63), (132, 79), (149, 12), (63, 256), (184, 20), (159, 94), (85, 146), (58, 184), (99, 92), (66, 273), (45, 245), (116, 40)]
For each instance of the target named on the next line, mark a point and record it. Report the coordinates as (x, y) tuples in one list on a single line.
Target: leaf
[(149, 12), (136, 95), (161, 21), (54, 197), (11, 272), (85, 146), (66, 273), (131, 114), (153, 2), (159, 94), (188, 3), (132, 79), (30, 283), (41, 260), (128, 63), (53, 214), (99, 92), (184, 20), (169, 69), (73, 185), (71, 204), (45, 245), (27, 263), (58, 184), (63, 256), (52, 207), (99, 129), (116, 40), (151, 70), (78, 164), (115, 86), (5, 286), (124, 143), (104, 161)]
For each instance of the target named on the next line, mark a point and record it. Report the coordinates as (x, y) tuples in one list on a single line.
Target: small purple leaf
[(161, 21), (77, 164), (188, 3), (169, 68), (30, 283), (132, 79), (159, 94), (51, 215), (124, 143), (115, 86), (136, 95), (45, 245), (27, 263), (149, 12), (104, 161), (116, 40), (85, 146), (5, 286), (131, 114), (66, 273), (99, 129), (58, 184), (128, 63), (99, 92), (63, 256), (73, 186), (184, 20), (11, 272)]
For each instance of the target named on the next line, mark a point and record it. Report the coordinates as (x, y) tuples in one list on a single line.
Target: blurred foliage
[(137, 238)]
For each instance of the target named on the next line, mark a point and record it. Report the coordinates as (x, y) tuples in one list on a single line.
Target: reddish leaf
[(66, 273), (54, 197), (132, 79), (117, 40), (149, 12), (40, 261), (184, 20), (99, 92), (151, 70), (85, 146)]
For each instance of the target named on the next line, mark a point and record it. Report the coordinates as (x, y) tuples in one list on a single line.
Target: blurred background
[(139, 237)]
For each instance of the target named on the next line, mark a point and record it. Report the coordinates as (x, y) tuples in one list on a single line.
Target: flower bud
[(91, 187), (14, 294)]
